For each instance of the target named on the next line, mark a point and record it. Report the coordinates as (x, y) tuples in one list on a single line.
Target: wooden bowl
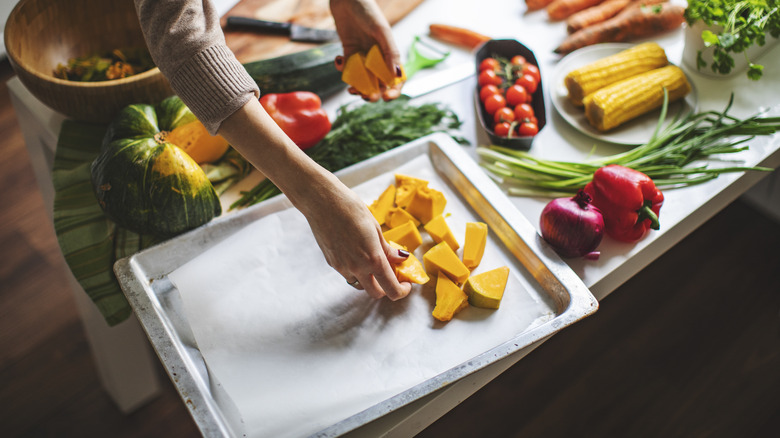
[(40, 34)]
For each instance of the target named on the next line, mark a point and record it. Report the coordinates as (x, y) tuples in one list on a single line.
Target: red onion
[(572, 226)]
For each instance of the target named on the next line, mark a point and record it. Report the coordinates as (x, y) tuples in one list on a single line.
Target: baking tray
[(158, 306)]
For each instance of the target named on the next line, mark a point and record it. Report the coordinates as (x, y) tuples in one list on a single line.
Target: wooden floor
[(690, 347)]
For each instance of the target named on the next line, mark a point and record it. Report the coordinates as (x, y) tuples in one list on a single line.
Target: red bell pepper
[(299, 114), (628, 200)]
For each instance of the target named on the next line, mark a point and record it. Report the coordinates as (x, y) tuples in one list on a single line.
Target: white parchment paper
[(298, 350)]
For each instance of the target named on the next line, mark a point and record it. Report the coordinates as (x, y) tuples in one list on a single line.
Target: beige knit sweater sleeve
[(186, 42)]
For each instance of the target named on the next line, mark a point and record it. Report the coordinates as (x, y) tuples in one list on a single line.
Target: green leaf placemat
[(90, 242)]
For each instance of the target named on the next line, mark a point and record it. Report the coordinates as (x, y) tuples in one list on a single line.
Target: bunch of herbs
[(744, 23)]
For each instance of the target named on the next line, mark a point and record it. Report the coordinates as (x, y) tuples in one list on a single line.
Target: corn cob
[(627, 99), (599, 74)]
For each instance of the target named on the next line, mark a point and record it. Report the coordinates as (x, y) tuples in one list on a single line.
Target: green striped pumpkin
[(147, 184)]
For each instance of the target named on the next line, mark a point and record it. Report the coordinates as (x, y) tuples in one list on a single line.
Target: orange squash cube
[(356, 75), (405, 188), (426, 204), (411, 269), (450, 299), (407, 235), (440, 232), (375, 63), (398, 216), (486, 289), (474, 244), (382, 205), (441, 258)]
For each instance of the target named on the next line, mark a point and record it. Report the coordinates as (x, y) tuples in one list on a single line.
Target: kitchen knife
[(294, 31), (421, 85)]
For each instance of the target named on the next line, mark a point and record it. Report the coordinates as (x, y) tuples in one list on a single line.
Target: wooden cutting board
[(252, 46)]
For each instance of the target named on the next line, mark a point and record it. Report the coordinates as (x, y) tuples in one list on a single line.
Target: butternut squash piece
[(474, 245), (407, 235), (356, 75), (441, 258), (450, 299), (426, 204), (375, 63), (405, 188), (382, 205), (440, 232), (398, 216), (485, 290), (411, 269)]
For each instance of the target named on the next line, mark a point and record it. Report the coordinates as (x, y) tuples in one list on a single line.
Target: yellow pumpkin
[(196, 141)]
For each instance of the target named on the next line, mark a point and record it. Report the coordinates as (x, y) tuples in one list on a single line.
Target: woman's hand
[(352, 242), (345, 230), (360, 25)]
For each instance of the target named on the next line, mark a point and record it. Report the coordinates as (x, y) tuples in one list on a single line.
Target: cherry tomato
[(515, 95), (533, 71), (504, 114), (494, 103), (487, 77), (527, 129), (523, 111), (489, 64), (503, 129), (518, 60), (528, 82), (487, 90)]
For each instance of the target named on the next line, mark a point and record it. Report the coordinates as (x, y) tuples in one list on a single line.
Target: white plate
[(633, 132)]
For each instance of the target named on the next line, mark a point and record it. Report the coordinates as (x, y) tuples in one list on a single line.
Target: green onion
[(668, 157)]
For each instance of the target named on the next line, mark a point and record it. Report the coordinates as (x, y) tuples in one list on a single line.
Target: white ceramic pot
[(694, 43)]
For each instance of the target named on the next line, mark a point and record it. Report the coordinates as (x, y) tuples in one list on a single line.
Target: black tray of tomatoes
[(509, 93)]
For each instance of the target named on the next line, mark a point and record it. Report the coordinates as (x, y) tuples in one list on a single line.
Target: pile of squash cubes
[(409, 204)]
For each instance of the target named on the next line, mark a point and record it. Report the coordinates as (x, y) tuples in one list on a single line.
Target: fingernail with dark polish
[(339, 60), (403, 253), (398, 72)]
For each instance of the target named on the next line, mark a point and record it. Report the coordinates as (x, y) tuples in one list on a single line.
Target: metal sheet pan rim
[(195, 390)]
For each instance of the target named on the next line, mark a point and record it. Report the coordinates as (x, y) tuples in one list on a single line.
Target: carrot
[(457, 35), (599, 13), (562, 9), (535, 5), (634, 22), (595, 14)]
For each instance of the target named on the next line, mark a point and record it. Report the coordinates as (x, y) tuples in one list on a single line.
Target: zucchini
[(310, 70)]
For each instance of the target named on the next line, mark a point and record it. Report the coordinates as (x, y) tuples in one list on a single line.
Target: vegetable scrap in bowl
[(117, 64), (509, 93)]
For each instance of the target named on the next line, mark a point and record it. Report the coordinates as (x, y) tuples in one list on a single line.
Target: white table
[(122, 348)]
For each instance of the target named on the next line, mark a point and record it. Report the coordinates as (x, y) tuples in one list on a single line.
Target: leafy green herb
[(744, 23), (670, 157), (365, 131)]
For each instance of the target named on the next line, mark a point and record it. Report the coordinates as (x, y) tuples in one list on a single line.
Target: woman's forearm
[(257, 137), (186, 42)]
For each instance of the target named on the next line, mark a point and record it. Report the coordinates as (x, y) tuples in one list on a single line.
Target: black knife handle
[(274, 27)]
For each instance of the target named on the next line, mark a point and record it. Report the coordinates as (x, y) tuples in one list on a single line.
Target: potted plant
[(729, 29)]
